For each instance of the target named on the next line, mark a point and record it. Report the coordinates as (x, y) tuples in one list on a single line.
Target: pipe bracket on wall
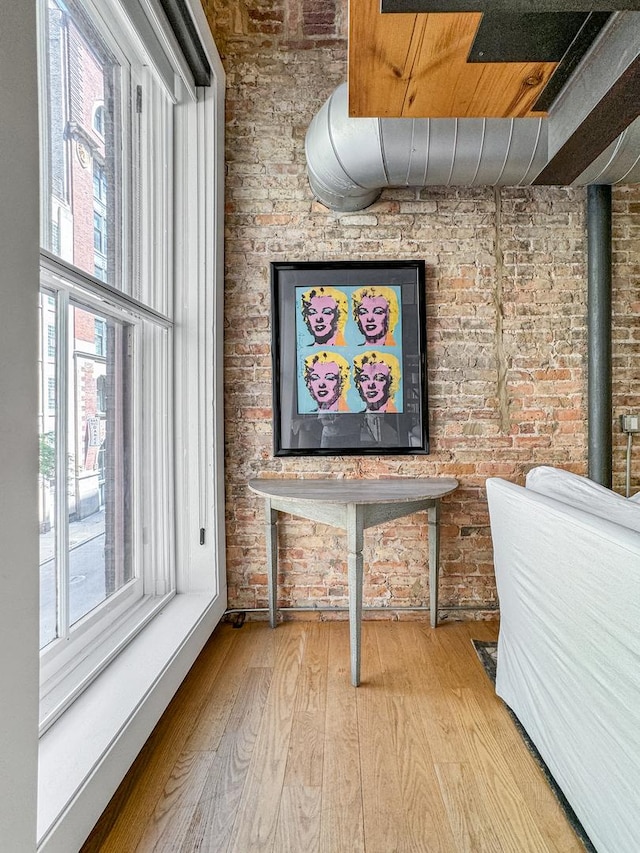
[(599, 364)]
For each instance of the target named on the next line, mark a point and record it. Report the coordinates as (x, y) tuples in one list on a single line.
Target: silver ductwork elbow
[(351, 160), (345, 165)]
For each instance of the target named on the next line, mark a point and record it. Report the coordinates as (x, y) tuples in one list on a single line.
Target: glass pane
[(47, 478), (83, 169), (100, 559)]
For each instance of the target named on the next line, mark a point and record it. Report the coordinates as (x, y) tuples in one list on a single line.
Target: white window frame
[(85, 754), (73, 660)]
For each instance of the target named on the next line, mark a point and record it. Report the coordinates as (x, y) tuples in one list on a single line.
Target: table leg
[(434, 560), (271, 517), (355, 537)]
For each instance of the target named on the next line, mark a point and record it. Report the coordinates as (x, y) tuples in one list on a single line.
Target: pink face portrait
[(373, 383), (323, 382), (373, 318), (321, 315)]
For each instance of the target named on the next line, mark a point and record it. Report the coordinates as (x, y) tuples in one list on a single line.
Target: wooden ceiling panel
[(415, 66)]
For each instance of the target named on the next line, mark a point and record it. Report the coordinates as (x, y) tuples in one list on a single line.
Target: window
[(99, 182), (99, 220), (107, 560), (99, 233), (100, 336), (51, 341), (97, 562), (55, 238), (100, 267), (98, 120), (156, 388), (51, 393)]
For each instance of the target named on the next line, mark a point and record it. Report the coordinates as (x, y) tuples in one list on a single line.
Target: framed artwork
[(349, 358)]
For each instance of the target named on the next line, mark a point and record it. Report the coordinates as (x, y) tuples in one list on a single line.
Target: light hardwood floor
[(267, 747)]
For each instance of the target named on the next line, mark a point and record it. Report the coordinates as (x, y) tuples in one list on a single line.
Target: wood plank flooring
[(268, 747)]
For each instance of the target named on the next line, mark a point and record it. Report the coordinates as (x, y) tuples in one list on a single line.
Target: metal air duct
[(351, 160)]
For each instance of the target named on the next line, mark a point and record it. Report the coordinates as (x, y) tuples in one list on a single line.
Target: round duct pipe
[(351, 160)]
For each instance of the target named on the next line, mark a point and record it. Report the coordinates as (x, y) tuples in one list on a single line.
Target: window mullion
[(133, 212), (87, 288), (62, 462)]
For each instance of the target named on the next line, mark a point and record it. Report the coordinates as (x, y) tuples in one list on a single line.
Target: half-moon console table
[(353, 505)]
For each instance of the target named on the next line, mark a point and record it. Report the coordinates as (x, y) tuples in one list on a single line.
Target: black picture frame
[(355, 382)]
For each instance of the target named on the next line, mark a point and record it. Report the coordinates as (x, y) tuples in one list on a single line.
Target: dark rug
[(488, 654)]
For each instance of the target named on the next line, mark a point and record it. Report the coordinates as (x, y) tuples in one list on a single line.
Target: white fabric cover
[(584, 494), (569, 652)]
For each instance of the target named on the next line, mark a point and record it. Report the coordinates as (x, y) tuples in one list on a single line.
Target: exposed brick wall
[(506, 303)]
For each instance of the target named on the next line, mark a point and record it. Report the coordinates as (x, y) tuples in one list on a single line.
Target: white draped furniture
[(567, 562), (354, 505)]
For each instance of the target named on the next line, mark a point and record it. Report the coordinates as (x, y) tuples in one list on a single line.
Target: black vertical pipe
[(599, 334)]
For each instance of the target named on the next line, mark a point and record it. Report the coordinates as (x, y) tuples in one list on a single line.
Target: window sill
[(86, 752), (63, 690)]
